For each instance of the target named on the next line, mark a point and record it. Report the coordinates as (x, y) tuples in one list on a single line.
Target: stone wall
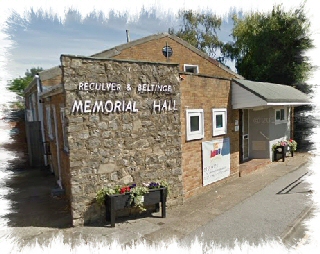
[(136, 143)]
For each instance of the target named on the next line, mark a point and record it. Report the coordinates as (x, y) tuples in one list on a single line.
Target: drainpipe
[(40, 114), (57, 147), (128, 37)]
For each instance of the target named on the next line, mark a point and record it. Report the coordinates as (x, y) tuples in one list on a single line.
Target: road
[(269, 214)]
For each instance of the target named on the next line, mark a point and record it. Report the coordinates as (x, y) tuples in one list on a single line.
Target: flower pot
[(121, 201), (282, 151)]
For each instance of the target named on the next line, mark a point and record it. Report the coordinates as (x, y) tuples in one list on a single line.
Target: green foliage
[(271, 46), (100, 196), (137, 195), (136, 192), (200, 31), (292, 143), (33, 71), (19, 84)]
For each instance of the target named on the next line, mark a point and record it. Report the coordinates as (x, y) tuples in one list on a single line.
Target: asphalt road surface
[(267, 215)]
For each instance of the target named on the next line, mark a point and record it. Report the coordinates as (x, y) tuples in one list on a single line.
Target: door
[(245, 134)]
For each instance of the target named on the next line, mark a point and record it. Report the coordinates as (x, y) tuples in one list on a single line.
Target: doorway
[(244, 135)]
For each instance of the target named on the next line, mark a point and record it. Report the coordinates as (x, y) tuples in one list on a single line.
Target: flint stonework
[(125, 146)]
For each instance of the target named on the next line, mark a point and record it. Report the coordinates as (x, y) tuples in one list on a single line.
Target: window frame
[(196, 67), (217, 131), (194, 135), (285, 115)]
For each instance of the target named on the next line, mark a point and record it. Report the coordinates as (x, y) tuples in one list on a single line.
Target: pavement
[(36, 215)]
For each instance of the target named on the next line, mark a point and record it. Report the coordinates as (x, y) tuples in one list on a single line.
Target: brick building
[(150, 109)]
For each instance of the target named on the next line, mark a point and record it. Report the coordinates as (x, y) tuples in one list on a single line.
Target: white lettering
[(123, 104), (159, 88), (87, 105), (134, 109), (164, 106), (109, 108), (97, 107), (85, 86), (165, 88), (78, 106), (156, 106), (80, 87), (128, 107), (174, 105), (117, 106)]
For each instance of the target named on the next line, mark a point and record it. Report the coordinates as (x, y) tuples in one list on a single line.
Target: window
[(219, 121), (191, 68), (195, 124), (64, 130), (280, 115), (49, 124)]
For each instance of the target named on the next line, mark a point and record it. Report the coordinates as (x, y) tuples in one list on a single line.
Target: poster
[(215, 160)]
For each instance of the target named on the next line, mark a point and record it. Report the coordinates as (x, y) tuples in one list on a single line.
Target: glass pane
[(245, 121), (194, 123), (278, 115), (219, 122), (281, 114)]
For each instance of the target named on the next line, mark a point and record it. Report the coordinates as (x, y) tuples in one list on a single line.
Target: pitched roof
[(109, 53), (274, 94), (44, 75)]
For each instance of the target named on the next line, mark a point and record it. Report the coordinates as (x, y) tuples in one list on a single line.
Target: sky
[(35, 33)]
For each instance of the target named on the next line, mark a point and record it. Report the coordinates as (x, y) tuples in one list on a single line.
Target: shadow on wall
[(29, 195)]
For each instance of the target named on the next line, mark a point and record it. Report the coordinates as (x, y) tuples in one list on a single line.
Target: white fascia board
[(288, 103)]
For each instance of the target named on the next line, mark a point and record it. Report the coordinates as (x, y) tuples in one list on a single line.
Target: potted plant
[(137, 196), (292, 144), (284, 146), (120, 197)]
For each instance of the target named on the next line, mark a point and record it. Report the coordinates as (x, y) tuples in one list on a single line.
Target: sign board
[(117, 106), (215, 160)]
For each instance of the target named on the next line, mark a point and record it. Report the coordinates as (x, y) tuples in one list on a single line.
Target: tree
[(33, 71), (200, 31), (271, 47), (19, 84)]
